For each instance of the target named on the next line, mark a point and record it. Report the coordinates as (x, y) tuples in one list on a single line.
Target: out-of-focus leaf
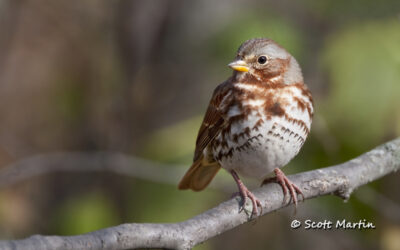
[(255, 24), (364, 66), (88, 212), (174, 143), (390, 238), (351, 9), (167, 204), (69, 104)]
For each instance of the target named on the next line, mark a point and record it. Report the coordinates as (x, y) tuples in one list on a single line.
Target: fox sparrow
[(256, 121)]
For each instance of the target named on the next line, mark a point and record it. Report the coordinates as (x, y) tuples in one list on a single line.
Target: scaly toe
[(288, 187), (256, 202)]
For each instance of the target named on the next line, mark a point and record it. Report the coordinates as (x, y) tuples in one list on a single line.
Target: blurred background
[(135, 77)]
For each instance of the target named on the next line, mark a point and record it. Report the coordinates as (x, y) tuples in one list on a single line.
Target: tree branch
[(101, 161), (340, 180)]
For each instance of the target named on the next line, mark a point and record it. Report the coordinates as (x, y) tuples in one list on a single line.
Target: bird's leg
[(245, 193), (286, 184)]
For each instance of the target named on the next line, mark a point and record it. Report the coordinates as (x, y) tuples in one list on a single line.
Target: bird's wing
[(203, 168), (214, 120)]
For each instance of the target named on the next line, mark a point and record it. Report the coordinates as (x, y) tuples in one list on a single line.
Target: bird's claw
[(287, 186)]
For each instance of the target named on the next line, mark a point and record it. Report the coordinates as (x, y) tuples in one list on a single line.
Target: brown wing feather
[(204, 169), (213, 121), (199, 175)]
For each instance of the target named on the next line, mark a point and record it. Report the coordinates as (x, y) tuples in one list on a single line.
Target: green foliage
[(364, 67), (342, 11), (167, 204), (70, 101), (257, 24), (174, 143), (84, 213)]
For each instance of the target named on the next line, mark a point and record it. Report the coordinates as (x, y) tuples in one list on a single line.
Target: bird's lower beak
[(239, 65)]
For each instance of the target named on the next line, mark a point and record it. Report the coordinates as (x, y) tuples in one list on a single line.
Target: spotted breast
[(266, 127)]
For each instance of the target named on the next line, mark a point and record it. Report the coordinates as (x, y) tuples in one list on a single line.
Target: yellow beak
[(239, 65)]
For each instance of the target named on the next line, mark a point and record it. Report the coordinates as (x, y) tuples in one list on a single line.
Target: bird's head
[(262, 59)]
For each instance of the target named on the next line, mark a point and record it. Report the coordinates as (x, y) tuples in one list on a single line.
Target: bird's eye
[(262, 60)]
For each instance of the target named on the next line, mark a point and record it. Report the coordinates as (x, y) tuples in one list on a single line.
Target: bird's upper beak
[(239, 65)]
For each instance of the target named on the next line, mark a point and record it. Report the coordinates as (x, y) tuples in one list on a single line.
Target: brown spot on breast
[(247, 131), (219, 156), (216, 143), (300, 123), (276, 109), (235, 138), (224, 144), (240, 148), (304, 89), (306, 93), (301, 140), (230, 152), (258, 124), (300, 103)]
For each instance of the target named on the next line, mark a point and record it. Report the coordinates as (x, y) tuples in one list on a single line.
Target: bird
[(256, 122)]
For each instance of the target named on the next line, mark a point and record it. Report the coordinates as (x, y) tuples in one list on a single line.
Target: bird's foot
[(286, 184), (244, 192)]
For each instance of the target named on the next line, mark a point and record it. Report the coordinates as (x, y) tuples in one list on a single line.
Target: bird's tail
[(199, 175)]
